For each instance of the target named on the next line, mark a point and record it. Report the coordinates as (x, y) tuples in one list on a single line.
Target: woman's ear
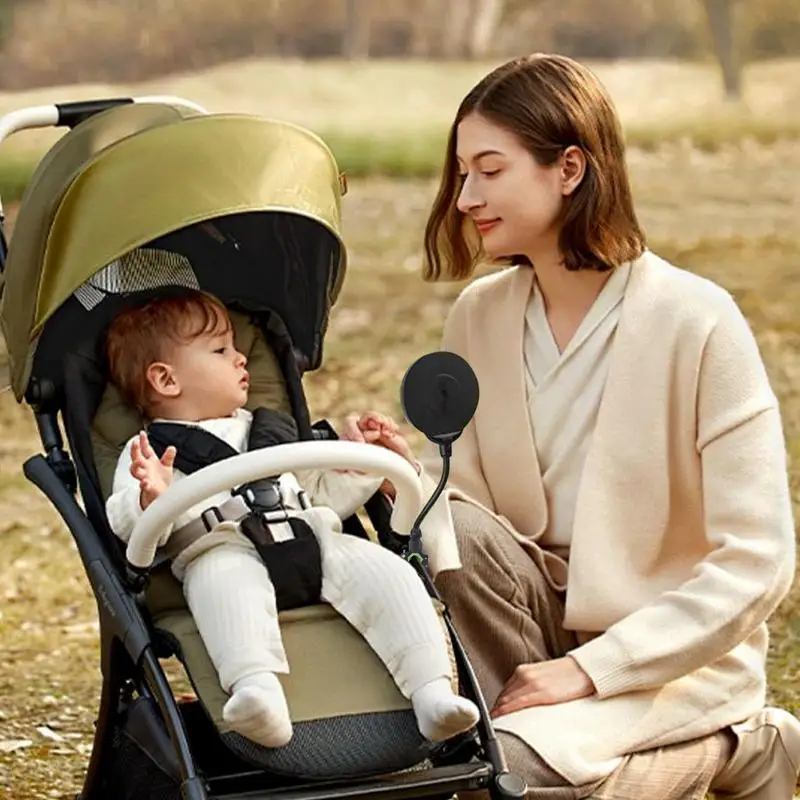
[(573, 168), (162, 380)]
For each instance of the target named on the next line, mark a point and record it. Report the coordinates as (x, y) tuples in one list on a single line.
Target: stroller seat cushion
[(327, 706)]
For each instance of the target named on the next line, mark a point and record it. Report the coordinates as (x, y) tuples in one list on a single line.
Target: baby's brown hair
[(144, 334)]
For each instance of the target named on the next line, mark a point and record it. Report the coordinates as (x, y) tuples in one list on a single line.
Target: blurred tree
[(772, 29), (5, 19), (455, 29), (486, 22), (470, 27), (65, 41), (722, 23), (356, 30)]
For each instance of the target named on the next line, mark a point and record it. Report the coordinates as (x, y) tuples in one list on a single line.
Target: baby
[(174, 359)]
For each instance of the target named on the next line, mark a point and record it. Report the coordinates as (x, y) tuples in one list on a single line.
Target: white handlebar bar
[(224, 475), (25, 118), (49, 116)]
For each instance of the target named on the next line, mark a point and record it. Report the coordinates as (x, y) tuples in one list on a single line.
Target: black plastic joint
[(510, 786), (72, 114), (136, 577)]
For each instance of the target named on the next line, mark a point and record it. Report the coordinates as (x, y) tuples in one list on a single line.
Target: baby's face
[(209, 376)]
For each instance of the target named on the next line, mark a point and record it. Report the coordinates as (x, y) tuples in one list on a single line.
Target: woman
[(620, 500)]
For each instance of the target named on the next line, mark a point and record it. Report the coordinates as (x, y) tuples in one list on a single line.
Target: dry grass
[(385, 117), (731, 216)]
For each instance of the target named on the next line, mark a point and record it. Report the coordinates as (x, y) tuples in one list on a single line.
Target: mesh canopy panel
[(140, 270)]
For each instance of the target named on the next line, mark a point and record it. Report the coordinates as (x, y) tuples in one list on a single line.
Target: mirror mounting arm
[(414, 547)]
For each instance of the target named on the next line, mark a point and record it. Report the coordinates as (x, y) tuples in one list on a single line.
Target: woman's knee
[(542, 780), (484, 543), (474, 527), (526, 763)]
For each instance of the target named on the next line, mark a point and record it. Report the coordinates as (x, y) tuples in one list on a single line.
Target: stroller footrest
[(444, 781)]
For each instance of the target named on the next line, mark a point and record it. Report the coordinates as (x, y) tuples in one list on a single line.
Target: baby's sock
[(440, 712), (257, 709)]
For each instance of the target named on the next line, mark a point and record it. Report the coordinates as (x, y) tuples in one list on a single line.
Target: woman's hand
[(374, 428), (379, 429), (545, 683)]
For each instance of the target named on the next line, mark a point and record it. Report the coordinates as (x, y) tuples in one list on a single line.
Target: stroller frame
[(137, 703)]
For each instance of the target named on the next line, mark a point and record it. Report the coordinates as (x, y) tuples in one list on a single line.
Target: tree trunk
[(356, 31), (485, 24), (721, 19), (6, 19), (456, 28), (426, 33)]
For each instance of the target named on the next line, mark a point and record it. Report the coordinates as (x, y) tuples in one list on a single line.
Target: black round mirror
[(439, 394)]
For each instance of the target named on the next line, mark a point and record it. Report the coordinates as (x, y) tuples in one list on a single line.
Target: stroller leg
[(193, 787), (504, 785), (117, 668), (106, 719)]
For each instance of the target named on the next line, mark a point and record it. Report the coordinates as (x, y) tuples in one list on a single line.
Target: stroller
[(253, 206)]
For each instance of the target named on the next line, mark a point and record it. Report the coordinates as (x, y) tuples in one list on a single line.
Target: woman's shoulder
[(492, 287), (684, 306), (678, 288)]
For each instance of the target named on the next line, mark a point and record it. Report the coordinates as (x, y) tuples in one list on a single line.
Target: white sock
[(440, 712), (257, 709)]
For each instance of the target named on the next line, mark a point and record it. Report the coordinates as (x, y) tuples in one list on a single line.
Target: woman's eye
[(490, 172)]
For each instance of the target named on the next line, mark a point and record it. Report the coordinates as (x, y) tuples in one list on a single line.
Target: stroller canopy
[(149, 173)]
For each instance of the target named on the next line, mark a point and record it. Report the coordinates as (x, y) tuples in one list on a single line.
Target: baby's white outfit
[(230, 595)]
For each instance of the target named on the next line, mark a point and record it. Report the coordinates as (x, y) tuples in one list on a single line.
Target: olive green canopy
[(83, 207)]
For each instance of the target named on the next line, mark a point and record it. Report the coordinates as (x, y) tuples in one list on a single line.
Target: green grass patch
[(419, 154), (402, 156), (715, 132), (14, 176)]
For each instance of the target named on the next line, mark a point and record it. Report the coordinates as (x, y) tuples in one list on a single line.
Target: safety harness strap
[(294, 565)]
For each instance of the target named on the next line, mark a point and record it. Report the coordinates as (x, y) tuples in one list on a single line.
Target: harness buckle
[(209, 526), (261, 496)]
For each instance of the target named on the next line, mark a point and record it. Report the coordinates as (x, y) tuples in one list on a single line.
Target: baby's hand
[(375, 428), (154, 474)]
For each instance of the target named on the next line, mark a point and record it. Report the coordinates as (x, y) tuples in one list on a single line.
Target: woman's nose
[(467, 198)]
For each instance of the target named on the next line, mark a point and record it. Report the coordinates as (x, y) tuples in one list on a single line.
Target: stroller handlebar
[(68, 115), (193, 489), (27, 118)]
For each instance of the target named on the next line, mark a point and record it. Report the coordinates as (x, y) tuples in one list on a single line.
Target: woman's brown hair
[(550, 103)]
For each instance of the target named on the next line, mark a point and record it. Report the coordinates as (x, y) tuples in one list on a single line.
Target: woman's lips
[(486, 225)]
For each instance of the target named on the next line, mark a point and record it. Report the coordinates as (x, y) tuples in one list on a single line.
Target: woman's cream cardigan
[(683, 541)]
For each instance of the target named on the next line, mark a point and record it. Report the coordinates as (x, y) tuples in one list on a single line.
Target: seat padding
[(349, 717)]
